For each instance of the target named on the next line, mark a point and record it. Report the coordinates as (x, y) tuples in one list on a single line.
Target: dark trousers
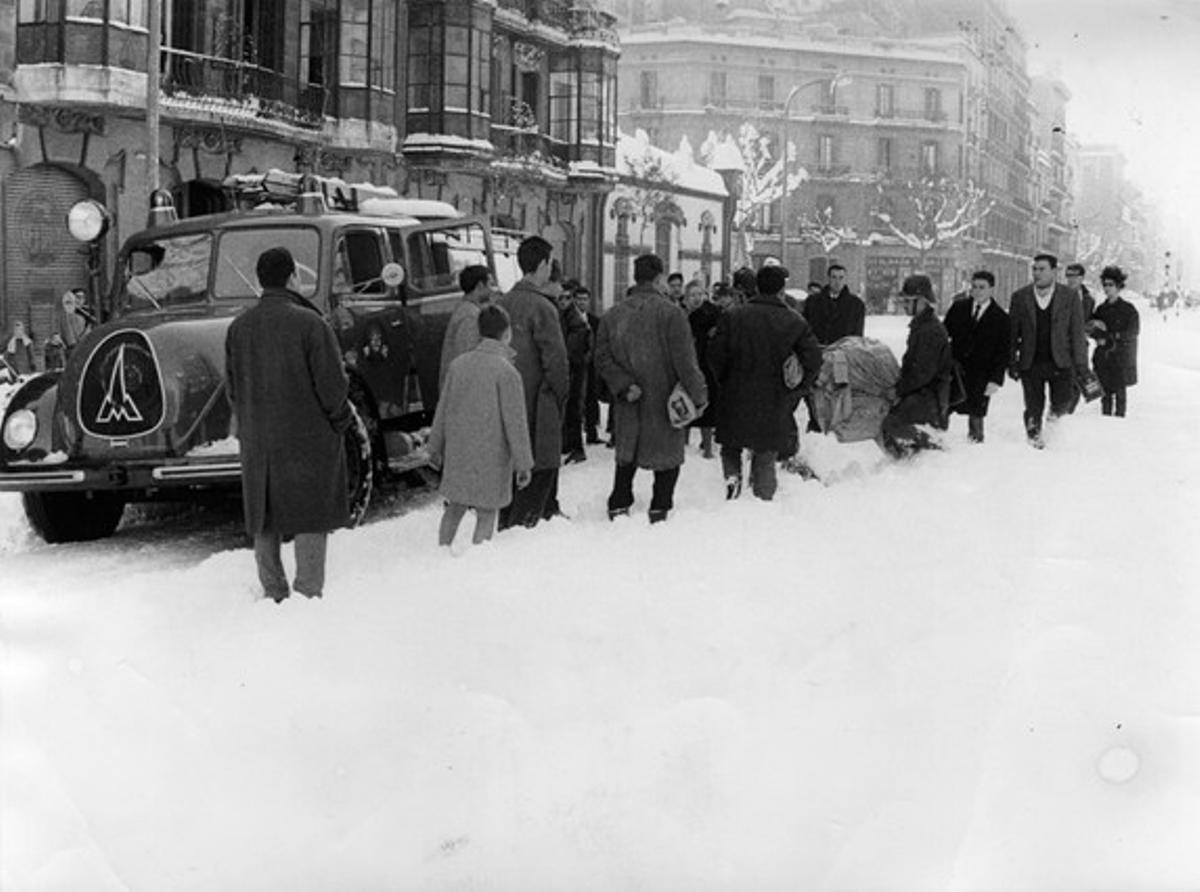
[(1113, 398), (975, 428), (1034, 383), (528, 505), (572, 427), (763, 479), (813, 426), (662, 499), (591, 405)]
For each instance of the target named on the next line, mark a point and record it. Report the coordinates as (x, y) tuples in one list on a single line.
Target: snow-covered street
[(976, 670)]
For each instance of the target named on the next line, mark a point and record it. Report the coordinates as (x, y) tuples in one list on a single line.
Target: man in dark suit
[(833, 313), (978, 330), (1075, 274), (1047, 344)]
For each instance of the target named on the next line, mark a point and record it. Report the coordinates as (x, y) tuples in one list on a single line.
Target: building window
[(883, 154), (885, 101), (264, 28), (766, 90), (583, 105), (826, 207), (77, 32), (318, 42), (449, 70), (564, 90), (352, 43), (716, 88), (383, 46), (929, 159), (933, 104), (649, 89), (825, 152)]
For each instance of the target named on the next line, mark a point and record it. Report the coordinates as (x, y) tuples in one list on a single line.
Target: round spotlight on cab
[(20, 429), (88, 220)]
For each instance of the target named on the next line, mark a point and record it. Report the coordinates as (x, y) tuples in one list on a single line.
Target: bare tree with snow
[(761, 182), (819, 228), (929, 212)]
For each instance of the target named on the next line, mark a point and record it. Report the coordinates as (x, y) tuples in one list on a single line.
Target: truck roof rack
[(279, 187)]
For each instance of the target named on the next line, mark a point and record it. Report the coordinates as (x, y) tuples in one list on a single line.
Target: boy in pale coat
[(480, 434)]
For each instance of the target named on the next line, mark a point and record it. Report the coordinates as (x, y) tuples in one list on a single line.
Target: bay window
[(449, 68)]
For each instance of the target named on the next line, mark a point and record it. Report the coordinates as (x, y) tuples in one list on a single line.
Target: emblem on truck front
[(121, 391)]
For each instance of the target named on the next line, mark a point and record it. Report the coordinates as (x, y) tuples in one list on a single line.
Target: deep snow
[(975, 670)]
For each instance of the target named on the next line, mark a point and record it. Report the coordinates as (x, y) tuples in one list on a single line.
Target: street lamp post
[(834, 82)]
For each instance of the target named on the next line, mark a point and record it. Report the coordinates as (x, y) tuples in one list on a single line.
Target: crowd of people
[(524, 373)]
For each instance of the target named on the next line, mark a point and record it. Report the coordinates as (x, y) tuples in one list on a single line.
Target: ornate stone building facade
[(503, 107)]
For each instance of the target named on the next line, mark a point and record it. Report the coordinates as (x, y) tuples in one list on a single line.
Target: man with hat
[(284, 377), (923, 391)]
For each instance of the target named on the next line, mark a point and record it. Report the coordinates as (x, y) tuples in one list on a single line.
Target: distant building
[(1115, 226), (867, 117)]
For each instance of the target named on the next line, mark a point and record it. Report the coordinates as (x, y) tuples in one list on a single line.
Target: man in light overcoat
[(643, 349)]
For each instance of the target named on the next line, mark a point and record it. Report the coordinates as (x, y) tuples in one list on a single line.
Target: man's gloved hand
[(633, 393), (991, 389)]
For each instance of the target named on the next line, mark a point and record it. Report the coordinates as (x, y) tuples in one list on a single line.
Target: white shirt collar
[(1043, 297)]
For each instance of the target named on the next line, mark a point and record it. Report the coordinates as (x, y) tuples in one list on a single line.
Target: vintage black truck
[(140, 412)]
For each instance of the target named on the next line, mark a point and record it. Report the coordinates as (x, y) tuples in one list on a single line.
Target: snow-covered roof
[(680, 166)]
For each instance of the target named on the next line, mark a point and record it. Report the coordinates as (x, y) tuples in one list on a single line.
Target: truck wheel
[(73, 516), (359, 475)]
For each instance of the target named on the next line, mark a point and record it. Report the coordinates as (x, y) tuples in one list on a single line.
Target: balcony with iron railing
[(907, 115), (241, 88)]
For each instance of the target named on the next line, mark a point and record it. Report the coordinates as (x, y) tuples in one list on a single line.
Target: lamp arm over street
[(833, 83)]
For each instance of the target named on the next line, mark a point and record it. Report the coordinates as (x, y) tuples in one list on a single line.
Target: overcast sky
[(1133, 67)]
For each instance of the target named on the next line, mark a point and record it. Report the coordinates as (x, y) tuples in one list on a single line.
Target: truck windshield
[(237, 256), (167, 272)]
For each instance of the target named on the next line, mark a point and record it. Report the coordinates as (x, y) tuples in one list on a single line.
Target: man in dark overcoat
[(643, 349), (978, 330), (541, 358), (923, 390), (1047, 346), (747, 354), (284, 377), (833, 313), (577, 335)]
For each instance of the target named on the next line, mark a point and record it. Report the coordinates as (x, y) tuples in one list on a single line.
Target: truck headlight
[(20, 429)]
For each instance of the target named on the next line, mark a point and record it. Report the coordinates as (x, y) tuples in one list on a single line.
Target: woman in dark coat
[(703, 316), (1116, 326)]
